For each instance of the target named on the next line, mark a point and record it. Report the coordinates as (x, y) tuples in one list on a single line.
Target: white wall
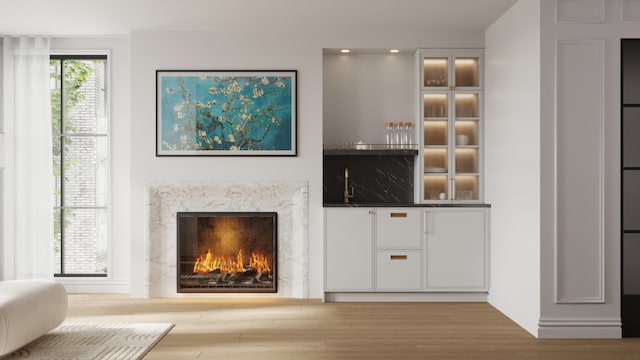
[(120, 150), (580, 135), (223, 50), (380, 87), (512, 161), (5, 231)]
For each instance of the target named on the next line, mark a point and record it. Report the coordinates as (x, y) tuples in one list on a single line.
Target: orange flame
[(259, 263), (208, 263)]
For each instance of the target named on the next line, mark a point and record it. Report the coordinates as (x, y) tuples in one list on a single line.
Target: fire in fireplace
[(227, 251)]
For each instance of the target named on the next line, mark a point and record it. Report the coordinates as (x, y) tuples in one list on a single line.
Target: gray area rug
[(89, 341)]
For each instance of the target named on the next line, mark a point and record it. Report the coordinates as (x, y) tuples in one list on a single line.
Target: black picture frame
[(226, 113)]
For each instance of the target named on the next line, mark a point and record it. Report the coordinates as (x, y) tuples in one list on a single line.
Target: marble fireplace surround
[(288, 198)]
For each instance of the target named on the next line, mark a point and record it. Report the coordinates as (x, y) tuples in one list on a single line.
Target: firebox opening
[(227, 251)]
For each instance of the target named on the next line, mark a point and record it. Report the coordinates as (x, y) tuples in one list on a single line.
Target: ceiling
[(120, 17)]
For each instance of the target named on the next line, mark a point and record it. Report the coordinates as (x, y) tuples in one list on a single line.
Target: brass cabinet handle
[(398, 215), (398, 257)]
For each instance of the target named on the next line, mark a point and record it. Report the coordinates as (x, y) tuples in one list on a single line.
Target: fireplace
[(226, 252)]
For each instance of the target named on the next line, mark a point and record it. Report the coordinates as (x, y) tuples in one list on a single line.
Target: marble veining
[(164, 199), (375, 179)]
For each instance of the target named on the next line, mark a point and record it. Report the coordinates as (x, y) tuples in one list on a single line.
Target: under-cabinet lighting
[(436, 152), (435, 181), (467, 181), (465, 96), (394, 51), (435, 61), (466, 61), (436, 96), (345, 51), (464, 125), (466, 152)]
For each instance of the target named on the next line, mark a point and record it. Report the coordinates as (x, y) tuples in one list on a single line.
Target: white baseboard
[(404, 297), (580, 329), (94, 286)]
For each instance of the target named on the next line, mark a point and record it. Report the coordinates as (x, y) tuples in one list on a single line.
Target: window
[(80, 164)]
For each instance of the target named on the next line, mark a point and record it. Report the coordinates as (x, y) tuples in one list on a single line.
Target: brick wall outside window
[(85, 233)]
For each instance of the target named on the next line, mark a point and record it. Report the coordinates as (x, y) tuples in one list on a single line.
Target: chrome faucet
[(347, 196)]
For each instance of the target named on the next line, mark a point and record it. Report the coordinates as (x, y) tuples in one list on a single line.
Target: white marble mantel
[(164, 199)]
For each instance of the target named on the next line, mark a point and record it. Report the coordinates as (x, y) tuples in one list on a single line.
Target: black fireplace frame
[(238, 289)]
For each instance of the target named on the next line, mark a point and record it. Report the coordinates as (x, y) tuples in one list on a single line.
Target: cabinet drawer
[(398, 228), (399, 270)]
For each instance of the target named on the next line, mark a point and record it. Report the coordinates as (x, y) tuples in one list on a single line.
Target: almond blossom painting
[(226, 113)]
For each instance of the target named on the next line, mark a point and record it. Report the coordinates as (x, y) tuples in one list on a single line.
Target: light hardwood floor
[(228, 329)]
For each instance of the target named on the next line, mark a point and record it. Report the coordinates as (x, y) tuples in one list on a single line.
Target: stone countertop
[(405, 205), (370, 152)]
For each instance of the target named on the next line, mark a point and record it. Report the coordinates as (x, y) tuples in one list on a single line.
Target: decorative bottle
[(390, 135), (409, 134), (400, 136)]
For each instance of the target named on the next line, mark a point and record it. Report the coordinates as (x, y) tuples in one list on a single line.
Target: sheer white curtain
[(27, 237)]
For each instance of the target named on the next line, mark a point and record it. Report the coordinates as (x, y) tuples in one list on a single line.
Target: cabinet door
[(398, 228), (436, 151), (348, 250), (436, 70), (467, 67), (466, 145), (455, 69), (457, 249)]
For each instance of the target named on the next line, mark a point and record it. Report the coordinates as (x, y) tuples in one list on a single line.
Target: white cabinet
[(399, 255), (398, 270), (407, 250), (373, 249), (348, 250), (457, 249), (398, 228), (451, 112)]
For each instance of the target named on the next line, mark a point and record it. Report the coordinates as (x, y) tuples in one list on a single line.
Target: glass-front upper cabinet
[(446, 69), (436, 140), (451, 126)]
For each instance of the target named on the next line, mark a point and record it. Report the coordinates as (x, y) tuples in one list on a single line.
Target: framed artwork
[(226, 113)]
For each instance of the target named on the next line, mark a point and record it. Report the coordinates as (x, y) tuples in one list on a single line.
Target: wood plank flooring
[(279, 329)]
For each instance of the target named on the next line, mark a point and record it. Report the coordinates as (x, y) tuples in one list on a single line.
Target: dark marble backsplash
[(375, 179)]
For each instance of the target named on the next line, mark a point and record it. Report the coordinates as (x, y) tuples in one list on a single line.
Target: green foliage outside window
[(76, 73)]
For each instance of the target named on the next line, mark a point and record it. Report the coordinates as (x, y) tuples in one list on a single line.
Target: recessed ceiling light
[(393, 51), (345, 51)]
